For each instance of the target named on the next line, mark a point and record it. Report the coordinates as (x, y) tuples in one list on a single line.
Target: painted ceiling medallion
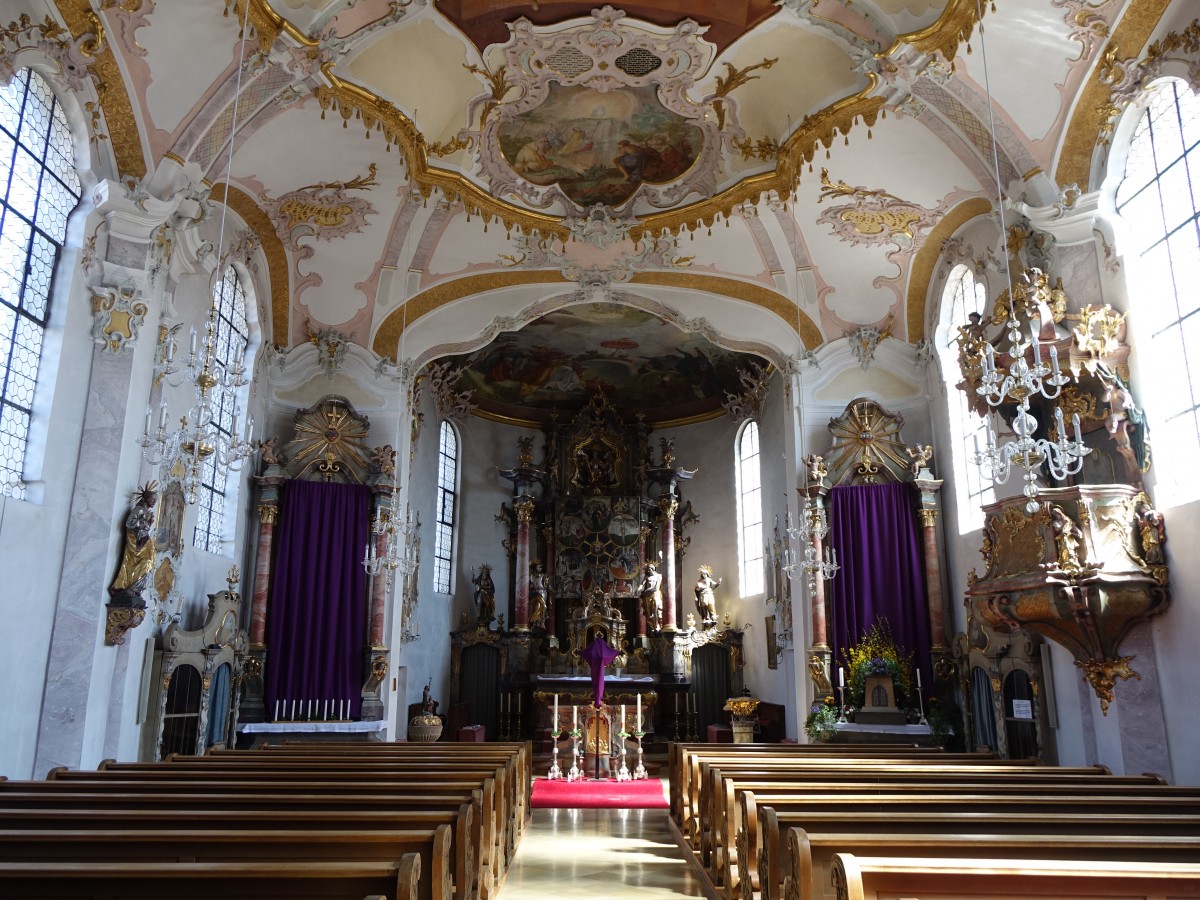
[(600, 114)]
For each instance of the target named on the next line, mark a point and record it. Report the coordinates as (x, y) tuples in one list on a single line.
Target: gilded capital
[(267, 513), (929, 518), (524, 508), (668, 506)]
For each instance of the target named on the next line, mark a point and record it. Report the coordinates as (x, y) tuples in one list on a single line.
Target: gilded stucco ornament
[(117, 317)]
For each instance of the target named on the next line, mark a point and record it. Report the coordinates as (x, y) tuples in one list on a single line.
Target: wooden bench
[(431, 846), (811, 854), (871, 877), (203, 881), (774, 829)]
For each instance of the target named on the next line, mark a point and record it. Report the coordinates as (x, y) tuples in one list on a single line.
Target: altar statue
[(137, 561), (705, 604), (485, 595), (537, 595), (651, 594)]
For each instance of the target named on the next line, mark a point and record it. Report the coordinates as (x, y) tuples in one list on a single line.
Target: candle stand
[(841, 703), (623, 773), (640, 771), (921, 700), (575, 773), (555, 772)]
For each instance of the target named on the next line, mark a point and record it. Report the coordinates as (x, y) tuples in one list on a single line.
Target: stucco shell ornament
[(596, 113)]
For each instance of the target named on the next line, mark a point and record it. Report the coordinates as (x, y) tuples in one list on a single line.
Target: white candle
[(918, 679), (841, 677), (325, 715), (554, 726), (574, 717), (342, 709), (639, 712), (276, 707), (193, 342), (622, 717), (293, 716), (162, 414), (147, 429)]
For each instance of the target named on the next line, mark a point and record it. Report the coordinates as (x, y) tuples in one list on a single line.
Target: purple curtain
[(317, 617), (874, 529), (597, 655)]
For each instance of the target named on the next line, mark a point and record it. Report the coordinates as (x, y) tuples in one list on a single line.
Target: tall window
[(964, 296), (1158, 197), (232, 339), (749, 509), (443, 545), (40, 188)]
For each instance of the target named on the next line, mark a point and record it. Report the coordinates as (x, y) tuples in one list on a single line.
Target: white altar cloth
[(311, 727)]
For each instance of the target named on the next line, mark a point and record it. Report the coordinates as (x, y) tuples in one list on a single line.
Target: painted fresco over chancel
[(598, 147), (641, 362)]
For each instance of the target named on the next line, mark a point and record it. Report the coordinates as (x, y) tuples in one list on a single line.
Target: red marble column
[(641, 612), (551, 591), (933, 580), (667, 507), (524, 508), (262, 573), (820, 636), (378, 596)]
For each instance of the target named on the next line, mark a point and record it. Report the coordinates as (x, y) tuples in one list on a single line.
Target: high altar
[(594, 548)]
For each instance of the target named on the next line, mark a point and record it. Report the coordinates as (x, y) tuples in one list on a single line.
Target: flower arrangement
[(821, 723), (876, 653)]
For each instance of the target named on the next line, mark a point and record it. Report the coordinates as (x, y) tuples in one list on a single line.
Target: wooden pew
[(203, 881), (774, 829), (811, 854), (871, 877), (386, 848)]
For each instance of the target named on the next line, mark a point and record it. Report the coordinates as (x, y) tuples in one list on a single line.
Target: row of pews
[(808, 822), (396, 821)]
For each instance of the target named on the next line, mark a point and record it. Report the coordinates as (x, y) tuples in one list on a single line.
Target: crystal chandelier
[(207, 433), (813, 528), (1018, 383), (1021, 381)]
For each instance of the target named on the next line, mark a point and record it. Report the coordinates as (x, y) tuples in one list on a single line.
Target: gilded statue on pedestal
[(137, 560), (485, 595), (537, 595), (705, 604), (651, 594)]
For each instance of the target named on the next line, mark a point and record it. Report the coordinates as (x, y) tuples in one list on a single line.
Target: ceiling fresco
[(645, 365)]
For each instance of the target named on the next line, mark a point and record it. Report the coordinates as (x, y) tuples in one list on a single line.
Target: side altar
[(592, 546)]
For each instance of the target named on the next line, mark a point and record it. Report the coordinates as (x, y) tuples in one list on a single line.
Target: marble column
[(524, 507), (86, 570), (551, 592), (929, 488), (381, 502), (644, 535), (815, 493), (667, 507), (267, 514)]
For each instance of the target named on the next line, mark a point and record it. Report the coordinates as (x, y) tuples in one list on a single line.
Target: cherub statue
[(383, 460), (705, 603), (272, 453), (137, 560), (920, 457)]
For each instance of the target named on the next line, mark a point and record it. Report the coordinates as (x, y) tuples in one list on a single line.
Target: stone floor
[(580, 854)]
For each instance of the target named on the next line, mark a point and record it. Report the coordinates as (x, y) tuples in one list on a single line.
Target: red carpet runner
[(608, 794)]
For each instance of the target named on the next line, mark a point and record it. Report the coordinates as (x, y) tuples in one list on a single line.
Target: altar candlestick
[(841, 677)]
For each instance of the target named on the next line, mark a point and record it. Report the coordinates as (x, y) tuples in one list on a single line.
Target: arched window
[(39, 187), (1157, 197), (964, 296), (443, 545), (749, 510), (230, 343)]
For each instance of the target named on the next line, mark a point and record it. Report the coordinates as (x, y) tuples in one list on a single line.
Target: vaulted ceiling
[(771, 171)]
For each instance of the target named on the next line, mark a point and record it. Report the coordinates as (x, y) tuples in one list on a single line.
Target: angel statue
[(705, 603)]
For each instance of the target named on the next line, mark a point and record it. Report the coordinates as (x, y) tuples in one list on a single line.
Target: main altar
[(593, 543)]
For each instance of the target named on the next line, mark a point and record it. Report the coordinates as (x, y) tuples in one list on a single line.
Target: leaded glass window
[(443, 547), (749, 509)]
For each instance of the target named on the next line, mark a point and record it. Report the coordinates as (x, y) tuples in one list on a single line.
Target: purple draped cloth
[(317, 613), (874, 529), (597, 655)]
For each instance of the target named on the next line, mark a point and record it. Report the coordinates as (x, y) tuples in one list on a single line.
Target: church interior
[(403, 370)]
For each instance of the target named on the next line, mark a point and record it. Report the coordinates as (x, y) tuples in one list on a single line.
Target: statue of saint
[(704, 596), (485, 595), (137, 561), (537, 595), (1151, 531), (1067, 537), (651, 594)]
